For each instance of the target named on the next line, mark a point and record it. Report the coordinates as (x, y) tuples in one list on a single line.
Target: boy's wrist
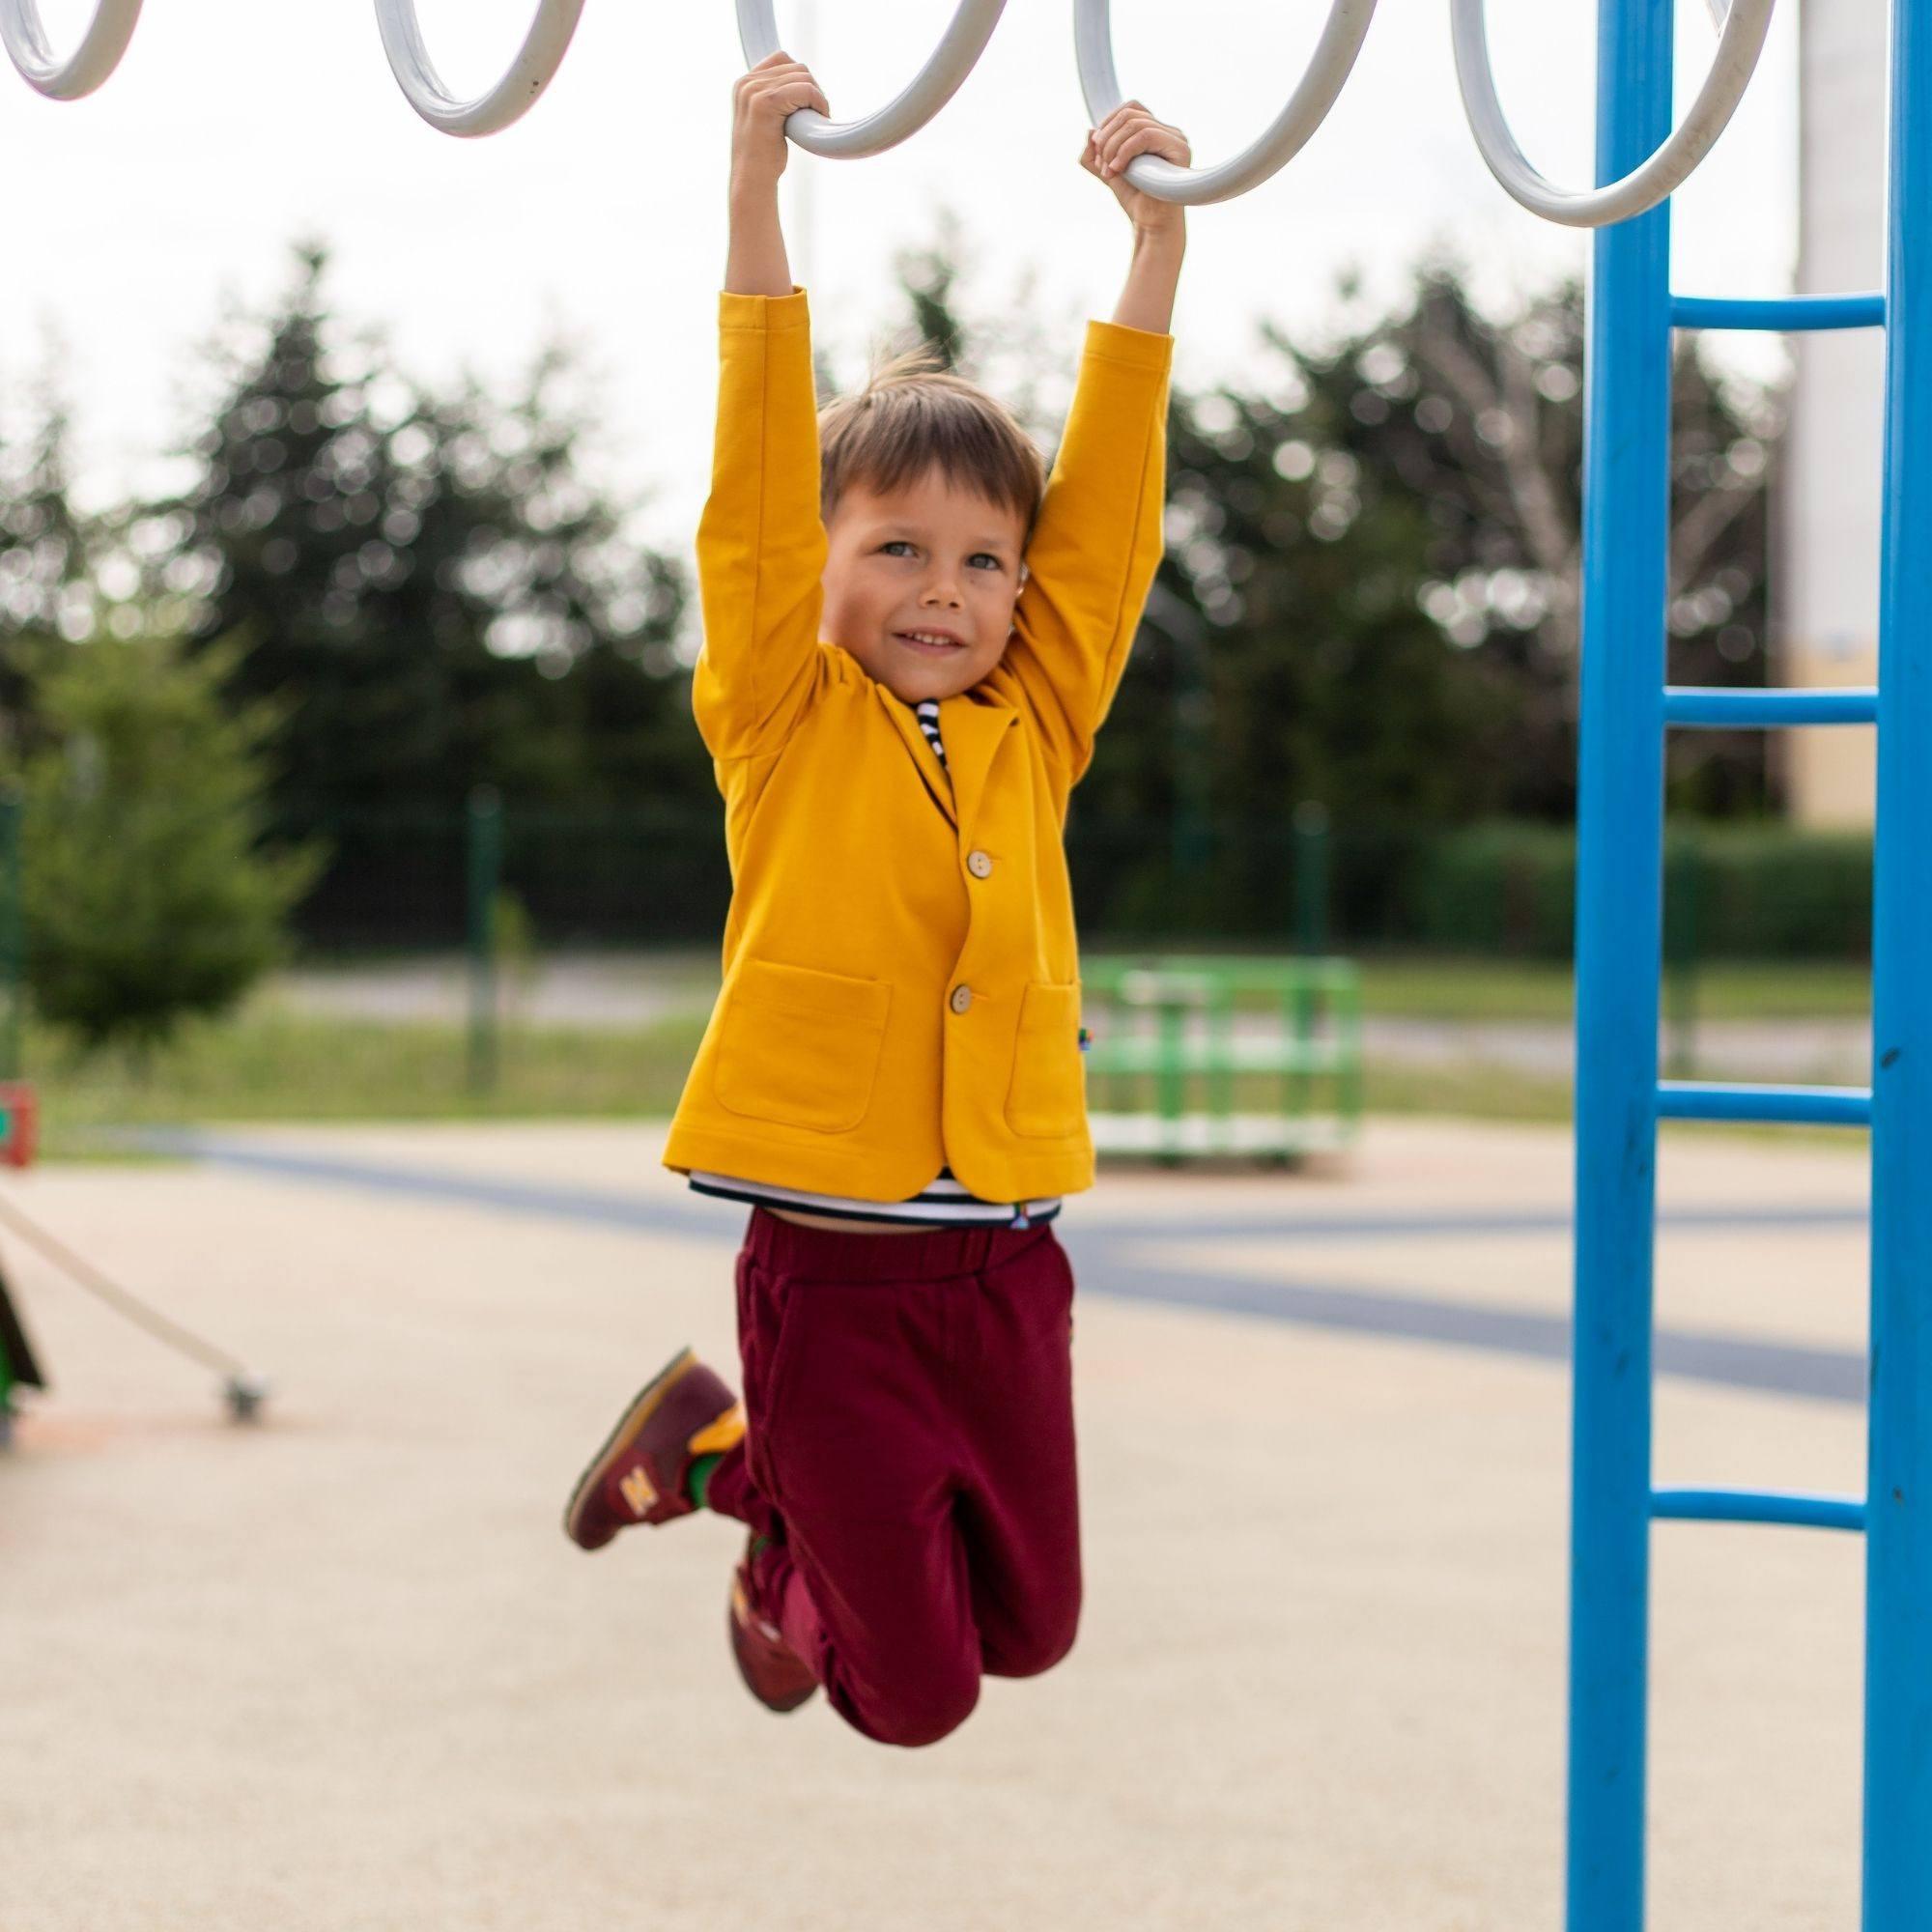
[(754, 191), (1163, 234)]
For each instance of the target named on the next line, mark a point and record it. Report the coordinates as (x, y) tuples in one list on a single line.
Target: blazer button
[(979, 864), (962, 998)]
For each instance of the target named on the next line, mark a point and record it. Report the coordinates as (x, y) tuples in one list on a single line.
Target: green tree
[(45, 545), (147, 896), (427, 582)]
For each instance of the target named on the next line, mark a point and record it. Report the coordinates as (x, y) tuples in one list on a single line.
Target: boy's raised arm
[(1098, 538), (760, 543)]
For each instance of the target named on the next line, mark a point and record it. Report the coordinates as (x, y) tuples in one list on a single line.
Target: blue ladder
[(1626, 710)]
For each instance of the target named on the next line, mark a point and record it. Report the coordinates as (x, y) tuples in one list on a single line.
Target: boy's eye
[(901, 543)]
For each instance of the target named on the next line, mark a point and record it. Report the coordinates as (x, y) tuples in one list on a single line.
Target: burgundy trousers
[(909, 1450)]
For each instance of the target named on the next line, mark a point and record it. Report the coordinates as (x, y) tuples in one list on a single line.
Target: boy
[(910, 639)]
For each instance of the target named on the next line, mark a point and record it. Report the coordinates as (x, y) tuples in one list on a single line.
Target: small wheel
[(244, 1395), (936, 83), (1333, 61), (510, 100), (1742, 24), (87, 67)]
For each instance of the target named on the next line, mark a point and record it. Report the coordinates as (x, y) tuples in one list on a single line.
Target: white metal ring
[(87, 67), (1744, 27), (510, 100), (937, 83), (1333, 60)]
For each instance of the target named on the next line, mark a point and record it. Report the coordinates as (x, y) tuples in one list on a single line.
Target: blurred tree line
[(1369, 599)]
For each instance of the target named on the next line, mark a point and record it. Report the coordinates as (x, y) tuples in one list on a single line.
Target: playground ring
[(1742, 40), (1333, 61), (87, 67), (937, 83), (530, 74)]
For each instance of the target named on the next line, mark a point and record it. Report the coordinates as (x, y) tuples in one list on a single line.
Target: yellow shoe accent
[(726, 1433)]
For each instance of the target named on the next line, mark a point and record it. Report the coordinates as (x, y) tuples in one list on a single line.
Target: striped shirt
[(926, 711), (944, 1201)]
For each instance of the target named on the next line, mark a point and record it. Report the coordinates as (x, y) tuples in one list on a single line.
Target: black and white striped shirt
[(944, 1201), (926, 711)]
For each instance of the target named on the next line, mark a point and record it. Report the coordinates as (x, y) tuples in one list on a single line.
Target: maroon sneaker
[(684, 1411), (773, 1672)]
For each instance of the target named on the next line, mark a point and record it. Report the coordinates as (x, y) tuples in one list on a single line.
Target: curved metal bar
[(510, 100), (936, 83), (98, 54), (1328, 68), (1643, 187)]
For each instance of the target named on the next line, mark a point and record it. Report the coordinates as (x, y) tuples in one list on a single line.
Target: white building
[(1826, 583)]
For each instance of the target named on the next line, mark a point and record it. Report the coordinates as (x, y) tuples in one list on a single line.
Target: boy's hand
[(1130, 131), (763, 99)]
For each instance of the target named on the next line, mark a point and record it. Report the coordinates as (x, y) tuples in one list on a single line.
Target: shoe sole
[(643, 1406), (740, 1643)]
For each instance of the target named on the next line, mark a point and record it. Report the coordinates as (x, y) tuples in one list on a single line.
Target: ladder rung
[(1757, 1506), (1715, 705), (1820, 1106), (1783, 312)]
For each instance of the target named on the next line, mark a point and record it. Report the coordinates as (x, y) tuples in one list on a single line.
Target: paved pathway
[(344, 1672)]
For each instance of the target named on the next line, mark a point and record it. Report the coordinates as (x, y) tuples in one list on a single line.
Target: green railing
[(1195, 1055)]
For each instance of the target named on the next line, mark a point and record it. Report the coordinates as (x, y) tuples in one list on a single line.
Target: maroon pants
[(910, 1452)]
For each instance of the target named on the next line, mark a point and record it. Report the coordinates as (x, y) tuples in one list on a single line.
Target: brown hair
[(913, 415)]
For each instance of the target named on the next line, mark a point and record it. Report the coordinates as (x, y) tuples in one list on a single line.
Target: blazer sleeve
[(1096, 544), (762, 546)]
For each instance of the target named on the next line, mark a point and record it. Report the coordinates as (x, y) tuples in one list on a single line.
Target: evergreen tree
[(428, 583), (145, 896), (44, 545)]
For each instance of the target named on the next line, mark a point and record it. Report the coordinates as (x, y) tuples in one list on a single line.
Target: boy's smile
[(920, 583)]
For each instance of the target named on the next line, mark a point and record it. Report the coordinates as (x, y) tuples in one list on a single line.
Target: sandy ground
[(342, 1671)]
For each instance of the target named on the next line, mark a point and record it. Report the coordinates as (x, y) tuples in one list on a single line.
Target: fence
[(414, 880)]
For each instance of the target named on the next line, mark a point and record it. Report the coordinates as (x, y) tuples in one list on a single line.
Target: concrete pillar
[(1826, 585)]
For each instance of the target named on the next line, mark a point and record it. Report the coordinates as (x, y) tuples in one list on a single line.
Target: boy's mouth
[(931, 644)]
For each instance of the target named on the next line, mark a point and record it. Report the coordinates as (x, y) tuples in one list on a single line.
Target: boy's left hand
[(1130, 131)]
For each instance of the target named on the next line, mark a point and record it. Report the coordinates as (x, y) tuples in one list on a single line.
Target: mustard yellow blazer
[(901, 974)]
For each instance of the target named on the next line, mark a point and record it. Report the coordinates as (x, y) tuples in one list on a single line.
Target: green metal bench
[(1174, 1035)]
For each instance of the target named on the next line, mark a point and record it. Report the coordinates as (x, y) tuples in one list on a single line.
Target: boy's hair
[(913, 415)]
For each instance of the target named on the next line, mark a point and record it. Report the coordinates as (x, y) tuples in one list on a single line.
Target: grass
[(1406, 987), (274, 1063)]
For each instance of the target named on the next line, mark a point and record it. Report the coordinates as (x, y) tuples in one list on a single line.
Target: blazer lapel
[(932, 774), (974, 732)]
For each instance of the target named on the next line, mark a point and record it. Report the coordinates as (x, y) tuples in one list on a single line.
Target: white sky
[(233, 125)]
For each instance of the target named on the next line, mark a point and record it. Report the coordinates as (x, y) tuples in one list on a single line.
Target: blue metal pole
[(1619, 942), (1898, 1565)]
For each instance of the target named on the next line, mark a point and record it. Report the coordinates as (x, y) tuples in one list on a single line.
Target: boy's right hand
[(764, 98)]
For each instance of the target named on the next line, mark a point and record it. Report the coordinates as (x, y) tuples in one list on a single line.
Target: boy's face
[(920, 584)]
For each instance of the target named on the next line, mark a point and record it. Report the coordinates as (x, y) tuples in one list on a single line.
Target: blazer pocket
[(799, 1048), (1047, 1098)]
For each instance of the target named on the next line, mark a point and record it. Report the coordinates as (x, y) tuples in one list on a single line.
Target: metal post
[(1683, 895), (1619, 920), (1311, 877), (1898, 1521), (13, 937), (485, 852)]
